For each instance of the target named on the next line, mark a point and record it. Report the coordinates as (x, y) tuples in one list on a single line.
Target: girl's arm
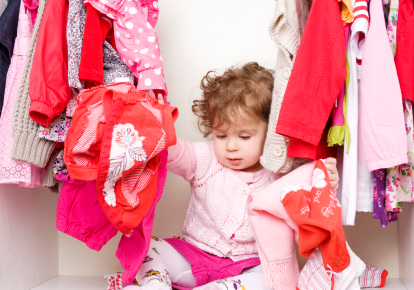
[(182, 159), (181, 156)]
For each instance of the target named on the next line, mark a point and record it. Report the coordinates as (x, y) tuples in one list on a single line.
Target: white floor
[(99, 283)]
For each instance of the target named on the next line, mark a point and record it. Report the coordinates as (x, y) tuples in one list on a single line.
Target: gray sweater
[(26, 146)]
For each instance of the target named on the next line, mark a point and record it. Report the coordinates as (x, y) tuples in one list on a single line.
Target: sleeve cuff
[(41, 113), (152, 79)]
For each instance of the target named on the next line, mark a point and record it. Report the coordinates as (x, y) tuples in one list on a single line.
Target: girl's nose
[(232, 145)]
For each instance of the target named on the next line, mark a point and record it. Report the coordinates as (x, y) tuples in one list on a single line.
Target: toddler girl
[(218, 248)]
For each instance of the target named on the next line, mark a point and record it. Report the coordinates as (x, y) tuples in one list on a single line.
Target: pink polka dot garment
[(136, 39)]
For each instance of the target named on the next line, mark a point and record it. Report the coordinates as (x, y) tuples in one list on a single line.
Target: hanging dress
[(12, 171), (400, 179)]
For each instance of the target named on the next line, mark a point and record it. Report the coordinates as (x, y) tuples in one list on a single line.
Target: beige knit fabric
[(49, 178), (27, 146), (286, 29)]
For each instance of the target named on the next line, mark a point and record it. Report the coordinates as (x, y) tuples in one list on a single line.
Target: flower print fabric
[(12, 171), (400, 179), (136, 39), (59, 166), (57, 130), (113, 66), (380, 212), (125, 150), (71, 106), (392, 25)]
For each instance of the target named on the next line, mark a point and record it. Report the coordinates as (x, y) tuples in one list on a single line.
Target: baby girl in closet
[(218, 249)]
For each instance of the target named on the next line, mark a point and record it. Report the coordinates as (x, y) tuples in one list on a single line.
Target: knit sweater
[(216, 220), (286, 30), (26, 146)]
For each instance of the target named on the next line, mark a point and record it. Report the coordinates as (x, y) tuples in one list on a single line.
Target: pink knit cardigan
[(274, 229)]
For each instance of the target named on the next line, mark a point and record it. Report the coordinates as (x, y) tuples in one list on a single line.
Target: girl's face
[(240, 146)]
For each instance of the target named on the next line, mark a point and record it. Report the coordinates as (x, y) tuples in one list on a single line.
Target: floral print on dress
[(57, 130), (392, 25), (400, 179), (59, 167), (72, 105), (125, 150), (380, 212)]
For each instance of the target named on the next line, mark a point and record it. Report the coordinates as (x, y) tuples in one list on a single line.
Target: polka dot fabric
[(136, 39)]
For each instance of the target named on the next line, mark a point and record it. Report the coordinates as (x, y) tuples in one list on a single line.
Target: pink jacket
[(382, 116), (270, 222)]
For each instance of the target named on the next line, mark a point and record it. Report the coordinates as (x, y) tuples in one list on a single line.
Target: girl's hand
[(330, 164), (160, 99)]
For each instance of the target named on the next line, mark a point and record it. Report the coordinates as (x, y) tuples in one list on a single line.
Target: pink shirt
[(217, 220)]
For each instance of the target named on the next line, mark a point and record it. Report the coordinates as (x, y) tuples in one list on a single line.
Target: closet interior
[(194, 37)]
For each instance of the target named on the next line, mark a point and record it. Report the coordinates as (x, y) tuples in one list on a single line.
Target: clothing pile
[(303, 205), (350, 81), (77, 80)]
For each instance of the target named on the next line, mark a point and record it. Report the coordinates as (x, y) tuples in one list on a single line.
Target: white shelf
[(99, 283)]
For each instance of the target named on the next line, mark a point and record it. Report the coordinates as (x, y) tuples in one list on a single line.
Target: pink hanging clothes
[(12, 171), (136, 39)]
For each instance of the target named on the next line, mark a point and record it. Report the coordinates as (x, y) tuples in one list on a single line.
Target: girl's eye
[(245, 137), (221, 136)]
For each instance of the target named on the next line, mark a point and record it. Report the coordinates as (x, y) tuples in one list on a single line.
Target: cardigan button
[(245, 191), (278, 151), (287, 72)]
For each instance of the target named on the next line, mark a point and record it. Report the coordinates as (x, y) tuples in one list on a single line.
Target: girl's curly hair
[(239, 94)]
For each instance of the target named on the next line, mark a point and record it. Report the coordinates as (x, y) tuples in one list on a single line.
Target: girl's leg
[(162, 266), (249, 279)]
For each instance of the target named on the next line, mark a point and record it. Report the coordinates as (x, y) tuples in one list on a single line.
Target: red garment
[(317, 75), (136, 187), (49, 88), (317, 213), (79, 121), (301, 149), (91, 63), (122, 132), (404, 56)]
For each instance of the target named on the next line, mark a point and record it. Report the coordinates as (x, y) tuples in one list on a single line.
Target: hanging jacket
[(27, 146), (382, 115), (404, 56), (49, 89), (286, 30), (316, 80)]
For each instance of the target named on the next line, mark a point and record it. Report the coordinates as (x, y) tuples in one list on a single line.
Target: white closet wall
[(28, 237), (195, 36)]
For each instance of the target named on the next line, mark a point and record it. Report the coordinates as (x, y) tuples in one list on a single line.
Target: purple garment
[(79, 214), (206, 267), (132, 251), (379, 200)]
